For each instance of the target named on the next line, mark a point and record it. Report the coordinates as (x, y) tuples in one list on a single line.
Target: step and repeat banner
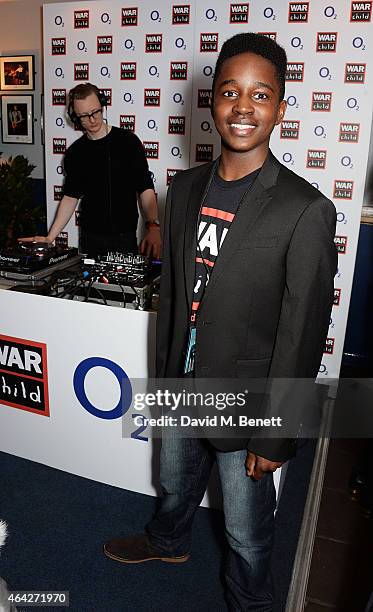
[(155, 62), (62, 365)]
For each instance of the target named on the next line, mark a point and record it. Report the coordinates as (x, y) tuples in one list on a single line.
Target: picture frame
[(17, 72), (17, 119)]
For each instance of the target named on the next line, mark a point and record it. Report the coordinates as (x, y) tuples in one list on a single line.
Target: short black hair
[(258, 44)]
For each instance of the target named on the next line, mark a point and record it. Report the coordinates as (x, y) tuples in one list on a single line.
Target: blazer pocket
[(266, 242), (253, 368)]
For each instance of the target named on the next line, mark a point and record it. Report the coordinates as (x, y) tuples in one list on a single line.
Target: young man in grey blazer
[(246, 292)]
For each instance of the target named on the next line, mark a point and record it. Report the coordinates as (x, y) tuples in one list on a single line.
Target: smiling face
[(247, 107), (89, 112)]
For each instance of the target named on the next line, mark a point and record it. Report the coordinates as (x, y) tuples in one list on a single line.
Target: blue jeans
[(248, 512)]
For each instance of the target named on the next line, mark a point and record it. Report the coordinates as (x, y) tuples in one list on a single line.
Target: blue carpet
[(58, 522)]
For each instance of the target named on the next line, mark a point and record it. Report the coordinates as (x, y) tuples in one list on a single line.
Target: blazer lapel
[(197, 194), (251, 206)]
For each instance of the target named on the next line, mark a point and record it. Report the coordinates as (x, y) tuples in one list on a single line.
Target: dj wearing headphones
[(106, 169)]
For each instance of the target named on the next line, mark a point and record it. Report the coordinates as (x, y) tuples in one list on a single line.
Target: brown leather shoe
[(137, 549)]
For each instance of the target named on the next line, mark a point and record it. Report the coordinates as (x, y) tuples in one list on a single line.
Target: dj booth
[(63, 359)]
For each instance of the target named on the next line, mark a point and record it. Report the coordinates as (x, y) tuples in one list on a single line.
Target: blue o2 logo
[(126, 389), (329, 11), (296, 42), (269, 13), (324, 72), (210, 14), (292, 101)]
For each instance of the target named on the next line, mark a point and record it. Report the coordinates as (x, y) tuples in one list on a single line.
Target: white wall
[(21, 34)]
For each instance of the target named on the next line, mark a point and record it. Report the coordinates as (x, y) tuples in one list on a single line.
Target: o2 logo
[(323, 370), (296, 42), (211, 14), (292, 101), (125, 386), (287, 158), (126, 389), (324, 72)]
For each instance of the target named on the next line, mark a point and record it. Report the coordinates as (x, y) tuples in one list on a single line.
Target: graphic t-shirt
[(217, 214)]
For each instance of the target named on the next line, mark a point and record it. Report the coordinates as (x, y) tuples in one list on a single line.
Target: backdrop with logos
[(62, 362), (155, 62)]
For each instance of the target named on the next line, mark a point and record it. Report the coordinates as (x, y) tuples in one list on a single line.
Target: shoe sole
[(165, 559)]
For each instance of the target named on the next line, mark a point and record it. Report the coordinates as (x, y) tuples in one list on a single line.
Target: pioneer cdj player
[(29, 261), (117, 279)]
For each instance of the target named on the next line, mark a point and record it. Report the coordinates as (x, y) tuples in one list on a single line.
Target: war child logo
[(337, 297), (129, 16), (152, 97), (57, 192), (316, 159), (170, 174), (239, 13), (298, 12), (349, 132), (295, 72), (361, 11), (107, 94), (178, 71), (321, 101), (204, 98), (62, 240), (128, 71), (128, 122), (355, 73), (24, 375), (81, 72), (151, 149), (59, 146), (153, 43), (272, 35), (81, 19), (290, 129), (204, 152), (208, 42), (343, 190), (341, 244), (176, 125), (104, 44), (329, 346), (180, 14), (58, 97), (58, 46), (326, 42)]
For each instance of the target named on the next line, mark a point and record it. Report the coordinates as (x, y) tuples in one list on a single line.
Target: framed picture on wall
[(17, 72), (17, 119)]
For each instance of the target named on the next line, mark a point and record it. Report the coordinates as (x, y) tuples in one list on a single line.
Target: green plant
[(19, 214)]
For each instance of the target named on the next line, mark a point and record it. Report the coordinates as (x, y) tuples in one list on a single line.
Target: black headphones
[(76, 94)]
